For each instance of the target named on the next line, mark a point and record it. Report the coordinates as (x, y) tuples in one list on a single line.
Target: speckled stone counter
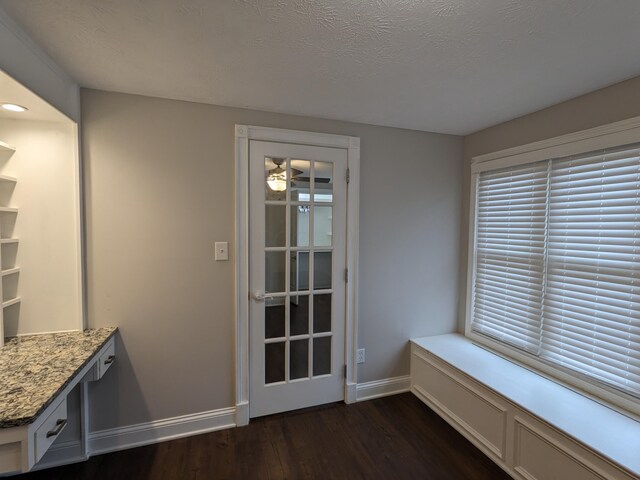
[(35, 368)]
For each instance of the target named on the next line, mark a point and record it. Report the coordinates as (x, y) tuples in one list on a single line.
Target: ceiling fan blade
[(308, 180)]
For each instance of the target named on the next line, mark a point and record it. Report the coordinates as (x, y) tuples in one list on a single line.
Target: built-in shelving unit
[(6, 147), (41, 282), (8, 179), (8, 269), (11, 301)]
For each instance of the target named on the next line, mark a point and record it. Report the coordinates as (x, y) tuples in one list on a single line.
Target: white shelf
[(9, 271), (5, 147), (6, 151), (8, 179), (10, 302)]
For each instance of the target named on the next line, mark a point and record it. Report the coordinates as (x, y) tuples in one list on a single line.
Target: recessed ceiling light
[(12, 107)]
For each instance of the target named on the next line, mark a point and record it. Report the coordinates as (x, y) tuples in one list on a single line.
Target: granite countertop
[(35, 368)]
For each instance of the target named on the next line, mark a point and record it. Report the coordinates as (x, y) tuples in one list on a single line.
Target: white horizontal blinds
[(592, 299), (509, 254)]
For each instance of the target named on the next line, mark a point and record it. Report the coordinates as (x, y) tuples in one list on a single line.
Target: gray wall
[(608, 105), (160, 190)]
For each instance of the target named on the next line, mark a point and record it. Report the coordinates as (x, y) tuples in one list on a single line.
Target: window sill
[(608, 433)]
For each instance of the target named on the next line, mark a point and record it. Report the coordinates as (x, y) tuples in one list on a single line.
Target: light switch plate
[(222, 251)]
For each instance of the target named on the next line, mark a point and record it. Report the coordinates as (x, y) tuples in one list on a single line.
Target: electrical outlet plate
[(222, 251), (360, 355)]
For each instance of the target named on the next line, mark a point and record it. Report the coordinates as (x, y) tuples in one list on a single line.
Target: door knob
[(261, 297)]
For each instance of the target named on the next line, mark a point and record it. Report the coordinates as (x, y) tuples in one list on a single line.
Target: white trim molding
[(148, 433), (26, 62), (243, 135), (351, 392), (611, 135), (64, 453), (383, 388), (122, 438), (112, 440)]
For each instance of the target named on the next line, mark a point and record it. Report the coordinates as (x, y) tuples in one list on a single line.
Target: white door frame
[(245, 133)]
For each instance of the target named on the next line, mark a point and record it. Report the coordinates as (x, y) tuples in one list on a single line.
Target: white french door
[(297, 231)]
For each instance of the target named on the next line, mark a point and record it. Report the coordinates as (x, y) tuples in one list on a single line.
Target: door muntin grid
[(299, 269)]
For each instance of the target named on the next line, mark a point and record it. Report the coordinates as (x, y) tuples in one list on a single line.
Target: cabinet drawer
[(106, 358), (47, 433)]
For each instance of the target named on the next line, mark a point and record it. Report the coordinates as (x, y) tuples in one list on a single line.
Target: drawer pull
[(56, 430), (109, 360)]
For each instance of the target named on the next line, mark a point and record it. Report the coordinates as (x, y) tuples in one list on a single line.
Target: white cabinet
[(41, 269), (40, 177), (105, 358), (37, 427), (8, 271), (525, 423), (50, 428)]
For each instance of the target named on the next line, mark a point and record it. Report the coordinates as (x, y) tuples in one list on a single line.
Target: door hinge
[(348, 175), (346, 275), (345, 371)]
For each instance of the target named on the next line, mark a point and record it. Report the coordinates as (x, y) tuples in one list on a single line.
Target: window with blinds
[(557, 263)]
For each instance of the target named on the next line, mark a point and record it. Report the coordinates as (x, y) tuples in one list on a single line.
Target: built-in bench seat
[(531, 426)]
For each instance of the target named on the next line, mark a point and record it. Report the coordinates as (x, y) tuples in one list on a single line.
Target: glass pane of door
[(299, 315), (276, 178), (274, 362), (322, 313), (323, 182), (298, 253), (321, 356), (299, 359), (274, 318), (274, 265), (300, 225), (275, 221), (322, 226)]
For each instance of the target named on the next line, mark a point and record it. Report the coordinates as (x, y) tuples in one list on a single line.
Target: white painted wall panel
[(537, 458), (471, 408), (533, 449)]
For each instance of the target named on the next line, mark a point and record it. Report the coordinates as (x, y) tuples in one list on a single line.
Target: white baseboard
[(112, 440), (115, 439), (62, 454), (242, 414), (383, 388), (350, 395)]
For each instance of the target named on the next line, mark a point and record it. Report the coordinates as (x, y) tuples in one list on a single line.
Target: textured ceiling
[(452, 66)]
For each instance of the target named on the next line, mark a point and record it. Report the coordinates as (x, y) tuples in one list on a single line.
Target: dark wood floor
[(389, 438)]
